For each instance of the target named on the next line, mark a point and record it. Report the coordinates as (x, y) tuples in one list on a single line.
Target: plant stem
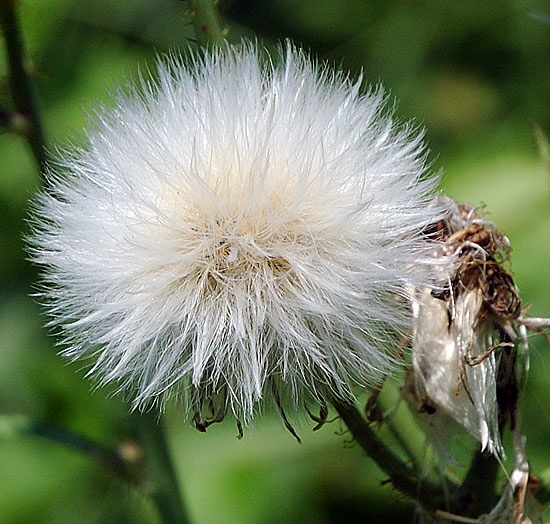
[(146, 464), (206, 22), (110, 458), (403, 444), (402, 476), (478, 490), (162, 483), (115, 460), (21, 87)]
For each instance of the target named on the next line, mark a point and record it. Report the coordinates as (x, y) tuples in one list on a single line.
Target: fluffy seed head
[(238, 228)]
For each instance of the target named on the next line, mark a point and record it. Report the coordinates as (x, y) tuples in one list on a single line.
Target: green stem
[(110, 458), (403, 444), (21, 86), (477, 493), (206, 22), (115, 460), (147, 464), (161, 476), (402, 476)]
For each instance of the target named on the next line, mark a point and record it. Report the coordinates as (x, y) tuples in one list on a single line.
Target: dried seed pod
[(455, 365)]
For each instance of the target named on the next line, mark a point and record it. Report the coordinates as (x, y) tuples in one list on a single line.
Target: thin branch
[(21, 87), (114, 460), (146, 463)]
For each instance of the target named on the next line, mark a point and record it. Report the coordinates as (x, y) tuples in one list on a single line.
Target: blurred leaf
[(539, 16)]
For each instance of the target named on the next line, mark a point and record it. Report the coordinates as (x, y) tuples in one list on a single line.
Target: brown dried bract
[(481, 251)]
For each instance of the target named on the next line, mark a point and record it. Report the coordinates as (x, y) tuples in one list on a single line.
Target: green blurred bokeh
[(476, 74)]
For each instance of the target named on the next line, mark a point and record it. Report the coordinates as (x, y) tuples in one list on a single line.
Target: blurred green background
[(476, 74)]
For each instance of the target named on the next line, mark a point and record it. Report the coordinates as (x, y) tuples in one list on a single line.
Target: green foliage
[(474, 73)]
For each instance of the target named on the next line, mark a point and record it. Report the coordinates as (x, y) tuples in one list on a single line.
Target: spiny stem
[(402, 476), (21, 87), (161, 476), (206, 22)]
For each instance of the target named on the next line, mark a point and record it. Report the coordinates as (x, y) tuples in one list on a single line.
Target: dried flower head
[(464, 353), (237, 229)]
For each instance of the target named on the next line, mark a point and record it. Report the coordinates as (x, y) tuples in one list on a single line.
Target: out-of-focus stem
[(403, 444), (206, 22), (478, 491), (115, 460), (21, 87), (402, 476), (145, 463), (160, 475)]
